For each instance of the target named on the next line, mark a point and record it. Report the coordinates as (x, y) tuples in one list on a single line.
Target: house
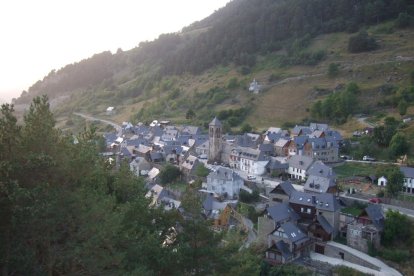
[(143, 151), (287, 243), (281, 193), (298, 166), (273, 216), (189, 166), (320, 184), (296, 145), (248, 160), (324, 149), (318, 168), (277, 167), (161, 196), (156, 157), (254, 87), (382, 181), (366, 229), (202, 149), (224, 182), (311, 208), (153, 173), (110, 110), (408, 179), (139, 166), (282, 147)]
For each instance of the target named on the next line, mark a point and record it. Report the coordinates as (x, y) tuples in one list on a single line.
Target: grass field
[(356, 169)]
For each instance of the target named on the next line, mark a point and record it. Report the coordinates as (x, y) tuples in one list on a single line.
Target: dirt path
[(91, 118)]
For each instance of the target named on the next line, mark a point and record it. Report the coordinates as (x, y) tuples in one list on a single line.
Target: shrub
[(395, 255), (361, 42)]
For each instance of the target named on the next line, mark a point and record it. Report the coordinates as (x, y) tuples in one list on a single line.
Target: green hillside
[(298, 51)]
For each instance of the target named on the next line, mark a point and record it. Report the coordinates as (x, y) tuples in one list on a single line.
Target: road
[(386, 207), (371, 162), (91, 118)]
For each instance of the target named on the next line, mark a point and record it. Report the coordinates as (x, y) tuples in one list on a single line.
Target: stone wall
[(332, 251)]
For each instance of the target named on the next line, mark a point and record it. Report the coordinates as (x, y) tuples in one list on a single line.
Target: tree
[(202, 171), (190, 114), (169, 174), (383, 134), (246, 128), (402, 107), (361, 42), (395, 180), (398, 145), (333, 70), (397, 227)]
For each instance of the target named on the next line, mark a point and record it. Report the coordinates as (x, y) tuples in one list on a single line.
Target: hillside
[(288, 46)]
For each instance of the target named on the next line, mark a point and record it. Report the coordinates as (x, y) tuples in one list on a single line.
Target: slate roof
[(318, 168), (249, 153), (319, 184), (215, 122), (374, 212), (281, 142), (281, 212), (275, 164), (110, 137), (266, 147), (300, 162), (407, 171), (316, 126), (300, 141), (325, 224), (223, 173), (324, 201), (305, 130), (245, 141), (190, 162), (293, 233)]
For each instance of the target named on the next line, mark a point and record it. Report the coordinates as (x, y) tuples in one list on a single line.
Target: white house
[(254, 87), (382, 181), (110, 110), (248, 160), (224, 181), (408, 179), (298, 166)]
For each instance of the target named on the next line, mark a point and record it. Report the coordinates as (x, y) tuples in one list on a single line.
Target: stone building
[(215, 143)]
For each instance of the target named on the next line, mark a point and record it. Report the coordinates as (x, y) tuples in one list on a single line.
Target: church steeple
[(215, 128)]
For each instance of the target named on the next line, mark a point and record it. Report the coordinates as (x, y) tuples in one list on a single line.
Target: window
[(308, 210)]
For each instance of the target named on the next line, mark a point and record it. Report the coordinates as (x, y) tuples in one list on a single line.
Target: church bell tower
[(214, 152)]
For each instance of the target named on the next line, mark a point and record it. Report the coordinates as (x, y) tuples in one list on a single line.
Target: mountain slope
[(287, 45)]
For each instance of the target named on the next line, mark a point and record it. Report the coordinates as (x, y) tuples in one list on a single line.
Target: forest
[(64, 210)]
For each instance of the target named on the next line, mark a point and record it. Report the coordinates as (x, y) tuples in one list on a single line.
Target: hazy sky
[(40, 35)]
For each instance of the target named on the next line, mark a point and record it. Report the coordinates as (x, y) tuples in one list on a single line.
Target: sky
[(42, 35)]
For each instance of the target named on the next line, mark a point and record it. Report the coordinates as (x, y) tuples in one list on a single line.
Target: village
[(286, 175)]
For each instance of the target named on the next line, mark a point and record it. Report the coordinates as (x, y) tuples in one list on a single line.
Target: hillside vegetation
[(299, 51)]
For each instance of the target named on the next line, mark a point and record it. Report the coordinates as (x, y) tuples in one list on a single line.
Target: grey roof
[(266, 147), (305, 130), (300, 161), (319, 184), (334, 135), (245, 141), (281, 212), (191, 130), (325, 224), (283, 248), (275, 164), (110, 137), (300, 141), (374, 212), (156, 156), (249, 153), (316, 126), (407, 171), (324, 201), (287, 187), (319, 168), (281, 142), (223, 173), (215, 122), (293, 233)]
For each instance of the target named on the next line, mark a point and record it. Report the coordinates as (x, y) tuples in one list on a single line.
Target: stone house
[(281, 193), (287, 243), (189, 167), (366, 229), (282, 147), (224, 182), (408, 179)]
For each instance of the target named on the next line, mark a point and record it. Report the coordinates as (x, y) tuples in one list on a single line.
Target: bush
[(333, 70), (361, 42), (395, 255), (404, 20), (249, 198), (169, 174)]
